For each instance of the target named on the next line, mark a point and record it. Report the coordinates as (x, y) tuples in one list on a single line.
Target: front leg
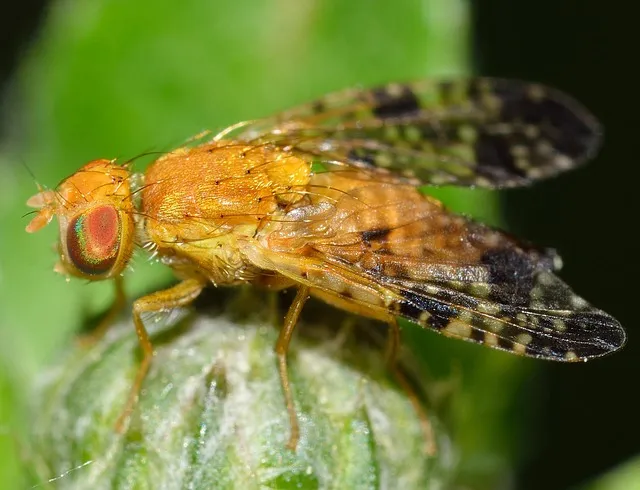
[(89, 339), (179, 295)]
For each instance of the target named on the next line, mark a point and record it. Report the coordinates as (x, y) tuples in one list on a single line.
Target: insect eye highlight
[(93, 240)]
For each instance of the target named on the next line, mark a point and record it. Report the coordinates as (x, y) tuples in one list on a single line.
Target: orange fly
[(324, 198)]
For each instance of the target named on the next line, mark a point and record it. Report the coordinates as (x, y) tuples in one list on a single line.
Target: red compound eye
[(93, 240)]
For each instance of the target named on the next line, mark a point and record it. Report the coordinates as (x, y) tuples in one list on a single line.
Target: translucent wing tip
[(595, 333)]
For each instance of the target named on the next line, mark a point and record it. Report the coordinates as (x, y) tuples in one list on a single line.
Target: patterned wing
[(477, 132), (440, 270), (519, 307)]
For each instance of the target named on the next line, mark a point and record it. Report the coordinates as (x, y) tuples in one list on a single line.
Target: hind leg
[(282, 347), (393, 347)]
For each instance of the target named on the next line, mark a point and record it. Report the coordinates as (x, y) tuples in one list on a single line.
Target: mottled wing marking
[(442, 271), (477, 132), (549, 322)]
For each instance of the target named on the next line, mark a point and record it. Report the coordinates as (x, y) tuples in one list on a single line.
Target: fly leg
[(273, 284), (97, 333), (282, 346), (179, 295), (393, 346)]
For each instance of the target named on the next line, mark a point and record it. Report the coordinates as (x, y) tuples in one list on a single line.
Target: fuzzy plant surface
[(211, 413)]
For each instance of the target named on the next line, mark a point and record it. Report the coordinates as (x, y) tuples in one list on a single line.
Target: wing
[(476, 132), (383, 246)]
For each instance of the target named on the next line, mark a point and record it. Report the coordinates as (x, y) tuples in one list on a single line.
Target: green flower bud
[(212, 414)]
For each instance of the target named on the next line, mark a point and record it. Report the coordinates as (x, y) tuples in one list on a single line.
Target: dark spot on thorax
[(375, 235), (346, 294)]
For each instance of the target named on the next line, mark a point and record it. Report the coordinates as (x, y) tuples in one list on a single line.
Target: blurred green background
[(85, 80)]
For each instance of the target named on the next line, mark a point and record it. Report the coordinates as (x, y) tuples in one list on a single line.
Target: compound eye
[(93, 240)]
